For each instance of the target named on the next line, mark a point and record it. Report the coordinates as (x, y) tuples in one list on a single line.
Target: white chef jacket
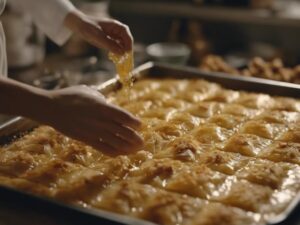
[(48, 15), (3, 59)]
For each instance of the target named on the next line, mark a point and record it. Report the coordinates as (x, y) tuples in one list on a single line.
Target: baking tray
[(34, 210)]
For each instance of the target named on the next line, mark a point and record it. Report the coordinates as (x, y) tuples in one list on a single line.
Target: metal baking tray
[(19, 208)]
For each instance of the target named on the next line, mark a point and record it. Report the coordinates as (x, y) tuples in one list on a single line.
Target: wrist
[(24, 100), (73, 20), (37, 105)]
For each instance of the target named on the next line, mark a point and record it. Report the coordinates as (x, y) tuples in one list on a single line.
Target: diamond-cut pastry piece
[(211, 134), (290, 136), (282, 152), (205, 109), (281, 117), (240, 110), (198, 181), (171, 208), (225, 96), (255, 101), (225, 215), (246, 144), (124, 197), (224, 162), (265, 172), (263, 129), (227, 121), (244, 195), (286, 104)]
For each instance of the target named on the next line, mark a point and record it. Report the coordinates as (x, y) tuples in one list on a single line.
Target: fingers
[(125, 118), (118, 32), (101, 109), (108, 34), (125, 132), (111, 45), (102, 139), (107, 149), (118, 143), (109, 111), (116, 135), (93, 34), (96, 143), (119, 115), (122, 33)]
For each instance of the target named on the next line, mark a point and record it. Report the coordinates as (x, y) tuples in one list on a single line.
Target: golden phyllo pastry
[(212, 156)]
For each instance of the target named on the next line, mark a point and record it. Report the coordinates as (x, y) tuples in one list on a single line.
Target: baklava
[(212, 156)]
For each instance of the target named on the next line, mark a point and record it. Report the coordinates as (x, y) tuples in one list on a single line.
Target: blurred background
[(248, 37)]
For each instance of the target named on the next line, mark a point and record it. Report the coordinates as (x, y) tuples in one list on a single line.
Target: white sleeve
[(49, 16)]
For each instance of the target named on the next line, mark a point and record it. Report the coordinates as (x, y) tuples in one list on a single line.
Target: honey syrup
[(124, 66)]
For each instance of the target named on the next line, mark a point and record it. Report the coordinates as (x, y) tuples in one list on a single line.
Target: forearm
[(73, 20), (21, 99)]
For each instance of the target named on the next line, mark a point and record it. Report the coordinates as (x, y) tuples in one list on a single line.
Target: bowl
[(169, 52)]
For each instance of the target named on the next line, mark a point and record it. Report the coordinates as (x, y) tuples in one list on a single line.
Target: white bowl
[(169, 52)]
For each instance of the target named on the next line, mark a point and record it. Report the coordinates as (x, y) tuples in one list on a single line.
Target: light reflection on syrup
[(124, 66)]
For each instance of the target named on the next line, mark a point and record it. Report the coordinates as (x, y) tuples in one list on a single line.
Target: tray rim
[(248, 84)]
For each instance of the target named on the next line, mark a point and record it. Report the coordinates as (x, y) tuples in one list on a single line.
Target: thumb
[(101, 40)]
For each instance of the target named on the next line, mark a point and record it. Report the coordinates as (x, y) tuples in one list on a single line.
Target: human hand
[(82, 113), (108, 34)]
